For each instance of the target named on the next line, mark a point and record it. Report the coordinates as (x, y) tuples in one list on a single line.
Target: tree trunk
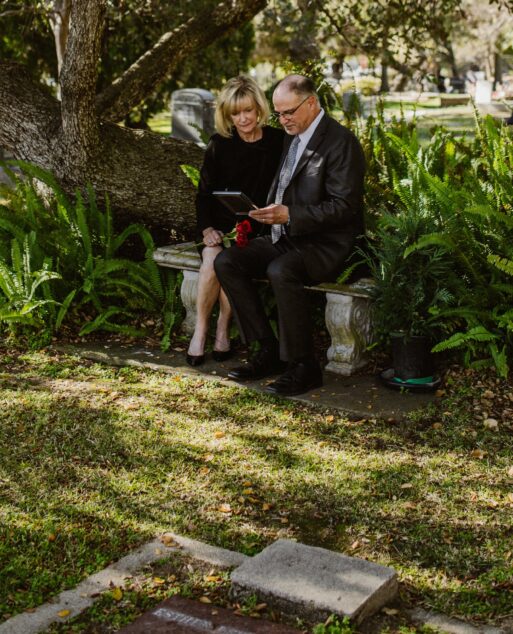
[(77, 138)]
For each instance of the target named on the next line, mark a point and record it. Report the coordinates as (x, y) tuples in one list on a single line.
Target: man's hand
[(212, 237), (271, 215)]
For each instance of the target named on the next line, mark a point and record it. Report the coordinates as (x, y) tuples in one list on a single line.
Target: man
[(313, 220)]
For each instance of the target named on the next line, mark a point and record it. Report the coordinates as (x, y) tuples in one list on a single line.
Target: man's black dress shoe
[(222, 355), (263, 363), (195, 360), (299, 378)]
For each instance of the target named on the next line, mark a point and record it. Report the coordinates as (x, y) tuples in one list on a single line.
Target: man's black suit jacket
[(325, 199)]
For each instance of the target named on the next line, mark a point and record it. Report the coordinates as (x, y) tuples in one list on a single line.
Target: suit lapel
[(317, 137)]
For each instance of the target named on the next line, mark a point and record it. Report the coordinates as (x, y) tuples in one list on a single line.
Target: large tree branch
[(79, 76), (150, 69), (29, 115)]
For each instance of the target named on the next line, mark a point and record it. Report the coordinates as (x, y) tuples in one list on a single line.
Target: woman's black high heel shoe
[(195, 360), (222, 355)]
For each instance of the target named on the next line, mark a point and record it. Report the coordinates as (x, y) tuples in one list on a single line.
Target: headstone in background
[(192, 112), (483, 91)]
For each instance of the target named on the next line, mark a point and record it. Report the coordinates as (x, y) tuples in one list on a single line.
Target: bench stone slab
[(313, 582)]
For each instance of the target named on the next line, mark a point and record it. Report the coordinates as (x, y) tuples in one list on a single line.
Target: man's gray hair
[(299, 84)]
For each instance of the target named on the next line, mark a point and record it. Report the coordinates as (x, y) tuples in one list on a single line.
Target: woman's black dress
[(235, 165)]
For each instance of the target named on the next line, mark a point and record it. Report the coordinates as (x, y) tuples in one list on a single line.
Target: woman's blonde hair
[(236, 90)]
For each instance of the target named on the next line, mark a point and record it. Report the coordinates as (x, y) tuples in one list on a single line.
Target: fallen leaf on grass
[(491, 423), (168, 540), (407, 485), (260, 607), (208, 457), (478, 453), (510, 472), (117, 594), (52, 537), (247, 483), (204, 600), (213, 578), (390, 611), (158, 581), (247, 492), (330, 418), (219, 434), (266, 506), (204, 470), (355, 545), (64, 613), (224, 508), (437, 425)]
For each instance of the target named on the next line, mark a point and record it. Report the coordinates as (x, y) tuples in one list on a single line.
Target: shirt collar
[(305, 136)]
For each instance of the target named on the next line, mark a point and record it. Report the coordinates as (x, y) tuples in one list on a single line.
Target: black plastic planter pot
[(413, 365), (411, 357)]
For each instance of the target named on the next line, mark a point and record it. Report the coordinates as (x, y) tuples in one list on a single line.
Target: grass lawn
[(95, 460)]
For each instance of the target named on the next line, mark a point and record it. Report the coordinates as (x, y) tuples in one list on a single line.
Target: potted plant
[(413, 284)]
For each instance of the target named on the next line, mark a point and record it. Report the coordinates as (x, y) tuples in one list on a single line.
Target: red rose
[(243, 229)]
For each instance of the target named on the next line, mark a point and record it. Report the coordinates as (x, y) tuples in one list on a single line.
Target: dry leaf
[(219, 434), (247, 483), (510, 472), (168, 540), (213, 578), (204, 470), (52, 537), (208, 457), (437, 425), (247, 491), (407, 485), (330, 419), (204, 600), (390, 611), (64, 613), (491, 423), (355, 545), (266, 506), (478, 453), (284, 520), (117, 594), (158, 581), (260, 607), (224, 508)]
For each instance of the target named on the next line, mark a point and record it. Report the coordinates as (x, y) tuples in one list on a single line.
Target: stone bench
[(347, 315)]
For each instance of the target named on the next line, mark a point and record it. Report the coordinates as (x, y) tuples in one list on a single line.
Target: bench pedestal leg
[(348, 320), (189, 293)]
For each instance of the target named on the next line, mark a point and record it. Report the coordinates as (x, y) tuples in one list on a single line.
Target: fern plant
[(80, 240)]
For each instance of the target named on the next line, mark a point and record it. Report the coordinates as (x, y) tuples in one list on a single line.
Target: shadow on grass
[(85, 479)]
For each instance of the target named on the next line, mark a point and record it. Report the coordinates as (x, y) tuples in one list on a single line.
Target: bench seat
[(347, 315)]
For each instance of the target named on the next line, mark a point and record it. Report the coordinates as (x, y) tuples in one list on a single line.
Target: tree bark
[(77, 138)]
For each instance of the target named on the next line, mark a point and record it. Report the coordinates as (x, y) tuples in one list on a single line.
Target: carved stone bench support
[(348, 310)]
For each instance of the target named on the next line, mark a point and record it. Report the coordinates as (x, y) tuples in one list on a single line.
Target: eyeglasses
[(287, 114)]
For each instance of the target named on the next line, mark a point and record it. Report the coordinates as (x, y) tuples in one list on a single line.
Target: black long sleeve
[(233, 164)]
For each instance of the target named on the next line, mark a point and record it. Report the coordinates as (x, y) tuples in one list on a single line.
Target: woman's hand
[(212, 237)]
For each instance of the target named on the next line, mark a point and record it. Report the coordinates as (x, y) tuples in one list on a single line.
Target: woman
[(243, 156)]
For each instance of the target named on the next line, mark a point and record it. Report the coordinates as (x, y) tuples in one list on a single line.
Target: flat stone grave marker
[(184, 616), (313, 582)]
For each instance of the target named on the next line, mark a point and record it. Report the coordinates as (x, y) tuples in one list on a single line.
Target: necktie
[(284, 180)]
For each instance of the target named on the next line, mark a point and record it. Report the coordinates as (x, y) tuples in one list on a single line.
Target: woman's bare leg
[(208, 293), (222, 341)]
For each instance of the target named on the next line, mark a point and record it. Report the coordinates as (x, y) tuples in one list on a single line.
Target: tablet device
[(237, 202)]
